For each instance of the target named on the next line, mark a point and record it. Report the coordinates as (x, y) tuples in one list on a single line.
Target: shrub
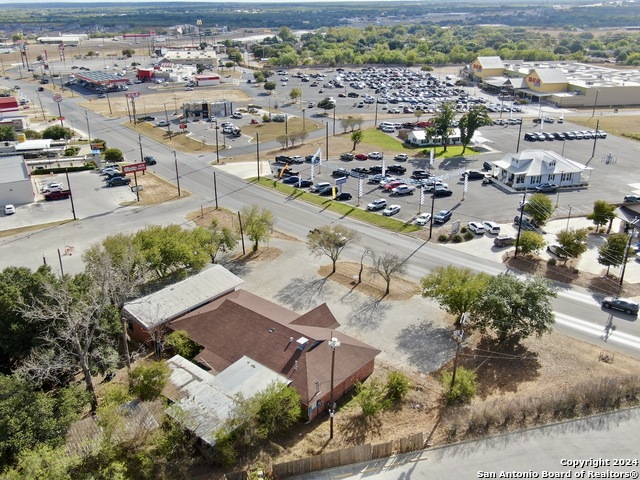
[(464, 230), (148, 379), (457, 238), (371, 398), (71, 151), (552, 262), (443, 237), (469, 236), (181, 344), (398, 386), (464, 387), (113, 155)]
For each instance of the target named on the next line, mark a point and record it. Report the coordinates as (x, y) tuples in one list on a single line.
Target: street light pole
[(333, 344), (217, 145), (595, 103)]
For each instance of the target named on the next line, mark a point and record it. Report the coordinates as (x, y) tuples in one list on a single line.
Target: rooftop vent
[(302, 343)]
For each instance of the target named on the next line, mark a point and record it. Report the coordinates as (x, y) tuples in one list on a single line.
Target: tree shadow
[(302, 293), (427, 346), (367, 313), (501, 367), (356, 429)]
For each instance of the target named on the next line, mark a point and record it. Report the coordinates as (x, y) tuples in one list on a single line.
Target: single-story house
[(148, 315), (530, 168), (421, 139), (296, 346)]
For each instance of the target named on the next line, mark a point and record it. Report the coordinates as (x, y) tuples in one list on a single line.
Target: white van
[(383, 125), (320, 186)]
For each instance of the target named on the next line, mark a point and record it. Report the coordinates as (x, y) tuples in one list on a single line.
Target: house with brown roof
[(241, 324)]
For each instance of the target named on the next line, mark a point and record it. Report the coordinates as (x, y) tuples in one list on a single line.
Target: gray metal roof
[(100, 77), (203, 401), (13, 169), (538, 162), (491, 62), (179, 298)]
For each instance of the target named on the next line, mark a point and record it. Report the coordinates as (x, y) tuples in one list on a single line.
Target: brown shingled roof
[(244, 324)]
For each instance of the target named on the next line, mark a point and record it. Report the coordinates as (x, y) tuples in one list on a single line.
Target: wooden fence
[(357, 454)]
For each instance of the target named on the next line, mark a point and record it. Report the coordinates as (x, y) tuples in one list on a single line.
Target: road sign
[(132, 94), (341, 180), (135, 167), (183, 125), (60, 118), (57, 98), (135, 188)]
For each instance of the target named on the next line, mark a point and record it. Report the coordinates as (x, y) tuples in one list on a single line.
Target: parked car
[(9, 209), (442, 192), (296, 159), (623, 304), (51, 186), (491, 227), (403, 190), (422, 219), (527, 223), (320, 186), (118, 181), (361, 156), (162, 123), (391, 210), (389, 186), (420, 174), (147, 118), (290, 180), (473, 174), (347, 157), (504, 241), (401, 157), (342, 196), (110, 171), (476, 227), (632, 198), (340, 172), (546, 188), (378, 204), (558, 251), (375, 156), (236, 115), (443, 216), (399, 169), (326, 191)]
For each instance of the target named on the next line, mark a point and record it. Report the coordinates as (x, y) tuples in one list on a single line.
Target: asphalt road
[(602, 446), (577, 310)]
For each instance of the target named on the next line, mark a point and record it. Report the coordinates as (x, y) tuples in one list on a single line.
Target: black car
[(343, 196), (527, 223), (345, 156), (396, 169), (486, 166), (442, 193), (325, 192), (283, 159), (118, 181), (149, 160), (147, 118), (473, 175), (443, 216), (623, 304), (340, 172), (375, 169), (420, 174), (359, 172)]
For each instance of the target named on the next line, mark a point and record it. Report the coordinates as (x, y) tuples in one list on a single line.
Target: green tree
[(295, 94), (30, 417), (327, 104), (514, 309), (530, 242), (330, 240), (357, 137), (148, 379), (539, 207), (56, 132), (470, 122), (286, 35), (219, 240), (257, 224), (32, 134), (603, 213), (463, 389), (258, 76), (18, 337), (277, 409), (398, 386), (128, 52), (43, 461), (269, 86), (456, 289), (371, 397), (442, 122), (182, 345), (573, 241), (611, 253), (7, 133), (113, 155)]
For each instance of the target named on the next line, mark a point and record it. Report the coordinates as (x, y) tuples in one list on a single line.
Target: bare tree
[(330, 241), (388, 265), (366, 253), (76, 332)]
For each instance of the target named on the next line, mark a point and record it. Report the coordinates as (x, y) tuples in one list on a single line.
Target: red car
[(362, 156), (391, 185)]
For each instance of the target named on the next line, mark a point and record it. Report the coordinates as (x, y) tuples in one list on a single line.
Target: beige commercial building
[(565, 84)]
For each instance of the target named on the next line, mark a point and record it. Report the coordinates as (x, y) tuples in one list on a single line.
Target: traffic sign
[(183, 125), (137, 188), (60, 118), (57, 98), (341, 180), (134, 167), (132, 94)]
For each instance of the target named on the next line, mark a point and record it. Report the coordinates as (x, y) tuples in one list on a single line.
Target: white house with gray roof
[(530, 168), (15, 183)]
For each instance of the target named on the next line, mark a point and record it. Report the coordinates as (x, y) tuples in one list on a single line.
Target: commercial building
[(15, 182), (565, 84)]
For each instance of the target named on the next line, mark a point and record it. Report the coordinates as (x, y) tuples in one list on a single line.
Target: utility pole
[(175, 157), (524, 196), (258, 154)]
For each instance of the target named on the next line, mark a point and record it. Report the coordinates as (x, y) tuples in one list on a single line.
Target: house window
[(551, 178), (535, 179), (520, 179), (130, 325), (565, 177)]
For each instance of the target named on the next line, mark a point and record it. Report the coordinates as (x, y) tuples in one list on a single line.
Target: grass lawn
[(385, 143), (345, 209)]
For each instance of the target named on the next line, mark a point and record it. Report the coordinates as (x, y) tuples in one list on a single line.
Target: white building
[(530, 168), (420, 138), (15, 182)]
